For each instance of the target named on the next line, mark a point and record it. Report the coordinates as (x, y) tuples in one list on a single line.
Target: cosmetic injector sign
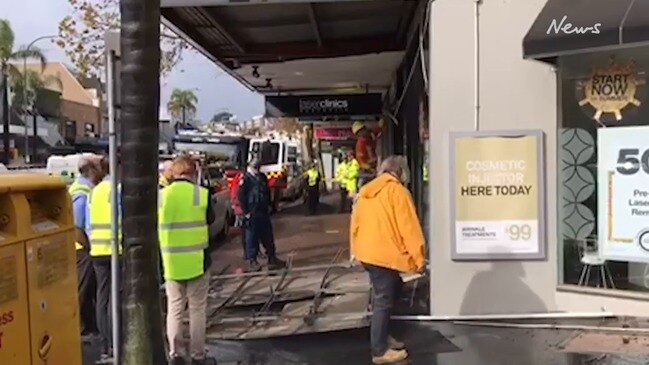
[(496, 197), (623, 193)]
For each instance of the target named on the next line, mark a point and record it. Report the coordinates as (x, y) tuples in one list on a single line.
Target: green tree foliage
[(221, 117), (182, 104), (82, 36), (26, 86), (8, 71)]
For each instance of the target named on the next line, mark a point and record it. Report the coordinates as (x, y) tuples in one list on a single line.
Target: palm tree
[(26, 86), (181, 103), (7, 71), (140, 94)]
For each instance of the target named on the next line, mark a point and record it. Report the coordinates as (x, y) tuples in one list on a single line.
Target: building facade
[(563, 93)]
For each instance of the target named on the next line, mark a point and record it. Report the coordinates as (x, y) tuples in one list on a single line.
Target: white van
[(66, 166)]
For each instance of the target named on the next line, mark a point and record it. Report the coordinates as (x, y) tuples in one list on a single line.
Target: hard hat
[(357, 126)]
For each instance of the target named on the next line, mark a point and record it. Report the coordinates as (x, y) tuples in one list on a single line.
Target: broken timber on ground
[(301, 300)]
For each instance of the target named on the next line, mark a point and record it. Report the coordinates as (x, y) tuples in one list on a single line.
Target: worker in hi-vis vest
[(184, 216), (79, 191), (165, 177), (312, 176), (99, 232), (353, 170), (341, 176)]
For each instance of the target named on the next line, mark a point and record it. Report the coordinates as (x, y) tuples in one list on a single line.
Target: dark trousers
[(344, 199), (259, 229), (386, 290), (103, 273), (313, 199), (86, 288)]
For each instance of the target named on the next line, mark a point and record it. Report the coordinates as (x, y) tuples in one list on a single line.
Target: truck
[(279, 159), (223, 157)]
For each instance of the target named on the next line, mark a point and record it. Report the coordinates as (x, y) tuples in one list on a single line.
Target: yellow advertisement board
[(497, 195)]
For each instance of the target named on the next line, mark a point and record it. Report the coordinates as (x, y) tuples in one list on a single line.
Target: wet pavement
[(439, 343), (315, 240), (427, 343)]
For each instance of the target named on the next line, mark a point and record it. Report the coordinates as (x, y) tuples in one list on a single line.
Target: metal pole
[(114, 212), (27, 159)]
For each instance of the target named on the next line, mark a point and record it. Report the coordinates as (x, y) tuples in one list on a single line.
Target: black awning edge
[(580, 26)]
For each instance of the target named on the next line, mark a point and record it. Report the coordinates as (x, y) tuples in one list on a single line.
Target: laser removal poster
[(623, 193), (496, 196)]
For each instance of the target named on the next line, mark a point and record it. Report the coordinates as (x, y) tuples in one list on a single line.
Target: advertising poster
[(497, 195), (623, 193)]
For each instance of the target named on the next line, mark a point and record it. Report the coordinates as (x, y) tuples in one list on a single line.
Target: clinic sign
[(497, 195), (623, 193), (322, 106)]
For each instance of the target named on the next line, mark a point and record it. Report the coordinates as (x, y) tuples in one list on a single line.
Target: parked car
[(213, 178)]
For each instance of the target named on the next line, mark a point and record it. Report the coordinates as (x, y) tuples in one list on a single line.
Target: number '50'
[(628, 162)]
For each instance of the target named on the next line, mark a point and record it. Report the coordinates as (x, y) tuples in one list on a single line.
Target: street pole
[(114, 212), (27, 157)]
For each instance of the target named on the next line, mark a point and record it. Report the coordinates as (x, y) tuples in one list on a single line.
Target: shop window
[(599, 93)]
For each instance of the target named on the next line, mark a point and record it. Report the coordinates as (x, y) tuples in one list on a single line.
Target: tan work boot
[(391, 356), (394, 344)]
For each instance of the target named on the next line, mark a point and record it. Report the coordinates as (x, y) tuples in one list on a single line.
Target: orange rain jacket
[(385, 230)]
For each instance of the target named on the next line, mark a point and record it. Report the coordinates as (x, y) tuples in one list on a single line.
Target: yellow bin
[(39, 312)]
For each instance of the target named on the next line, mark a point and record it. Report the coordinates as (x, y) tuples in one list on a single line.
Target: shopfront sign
[(497, 195), (334, 133), (320, 106), (610, 89), (623, 193)]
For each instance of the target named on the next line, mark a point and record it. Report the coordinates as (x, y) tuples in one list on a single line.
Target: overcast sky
[(216, 90)]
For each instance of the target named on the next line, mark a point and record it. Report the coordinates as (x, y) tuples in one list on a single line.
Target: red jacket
[(234, 183)]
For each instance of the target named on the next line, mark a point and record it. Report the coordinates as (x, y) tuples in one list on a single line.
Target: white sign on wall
[(623, 193)]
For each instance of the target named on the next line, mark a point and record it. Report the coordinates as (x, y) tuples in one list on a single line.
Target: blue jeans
[(259, 229), (386, 290)]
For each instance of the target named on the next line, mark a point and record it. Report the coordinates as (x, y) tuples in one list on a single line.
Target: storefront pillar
[(515, 94)]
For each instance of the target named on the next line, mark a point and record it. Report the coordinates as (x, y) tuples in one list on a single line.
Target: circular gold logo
[(611, 88)]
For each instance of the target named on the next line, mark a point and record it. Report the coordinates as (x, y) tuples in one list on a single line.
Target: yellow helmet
[(357, 126)]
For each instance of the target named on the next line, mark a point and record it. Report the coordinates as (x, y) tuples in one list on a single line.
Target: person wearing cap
[(80, 189), (366, 150), (312, 176), (184, 216), (254, 198)]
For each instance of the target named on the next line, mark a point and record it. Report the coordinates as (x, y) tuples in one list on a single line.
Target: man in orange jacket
[(386, 237)]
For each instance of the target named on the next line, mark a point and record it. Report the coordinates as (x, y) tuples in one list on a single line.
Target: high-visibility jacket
[(425, 173), (353, 169), (100, 221), (341, 173), (183, 230), (78, 188), (312, 176)]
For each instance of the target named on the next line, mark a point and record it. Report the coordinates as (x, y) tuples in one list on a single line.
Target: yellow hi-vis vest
[(78, 188), (312, 175), (100, 221), (183, 230), (341, 173), (353, 169), (425, 177)]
